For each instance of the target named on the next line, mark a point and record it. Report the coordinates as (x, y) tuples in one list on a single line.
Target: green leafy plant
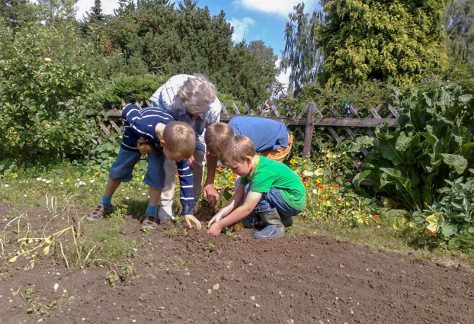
[(329, 193), (431, 145), (46, 83), (451, 218)]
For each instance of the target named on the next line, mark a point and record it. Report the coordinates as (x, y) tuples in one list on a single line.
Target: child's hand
[(191, 219), (215, 229), (143, 146), (217, 217)]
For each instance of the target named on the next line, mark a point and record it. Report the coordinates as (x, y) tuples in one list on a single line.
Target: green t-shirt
[(269, 174)]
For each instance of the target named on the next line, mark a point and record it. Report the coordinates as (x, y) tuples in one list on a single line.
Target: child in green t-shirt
[(269, 192)]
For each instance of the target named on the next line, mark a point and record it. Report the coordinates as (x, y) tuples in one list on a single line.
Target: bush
[(124, 89), (361, 96), (432, 144), (46, 87), (450, 220)]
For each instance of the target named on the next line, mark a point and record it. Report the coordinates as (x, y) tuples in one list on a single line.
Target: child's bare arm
[(236, 199), (237, 214)]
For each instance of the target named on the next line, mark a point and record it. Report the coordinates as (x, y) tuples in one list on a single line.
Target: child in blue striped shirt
[(155, 127)]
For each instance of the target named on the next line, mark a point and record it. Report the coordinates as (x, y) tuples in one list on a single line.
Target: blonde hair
[(197, 93), (217, 137), (179, 139), (237, 149)]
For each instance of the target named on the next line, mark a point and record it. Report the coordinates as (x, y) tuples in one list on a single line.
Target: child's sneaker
[(99, 212), (149, 223)]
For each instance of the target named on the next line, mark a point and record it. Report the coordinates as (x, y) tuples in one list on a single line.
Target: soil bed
[(190, 277)]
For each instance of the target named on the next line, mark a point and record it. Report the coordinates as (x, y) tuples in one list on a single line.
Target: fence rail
[(350, 123)]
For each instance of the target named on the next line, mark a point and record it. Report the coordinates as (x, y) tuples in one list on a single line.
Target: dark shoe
[(100, 212), (270, 231), (287, 221), (149, 223)]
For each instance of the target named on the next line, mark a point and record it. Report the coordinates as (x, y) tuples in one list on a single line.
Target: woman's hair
[(238, 148), (180, 140), (197, 93), (217, 137)]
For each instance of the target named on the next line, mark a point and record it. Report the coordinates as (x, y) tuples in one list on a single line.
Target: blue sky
[(251, 19)]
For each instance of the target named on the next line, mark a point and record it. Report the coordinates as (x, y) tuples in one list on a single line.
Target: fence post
[(308, 131)]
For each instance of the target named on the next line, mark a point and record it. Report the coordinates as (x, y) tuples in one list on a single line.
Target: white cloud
[(84, 6), (280, 7), (241, 27)]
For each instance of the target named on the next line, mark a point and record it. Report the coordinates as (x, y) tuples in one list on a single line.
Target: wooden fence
[(339, 124)]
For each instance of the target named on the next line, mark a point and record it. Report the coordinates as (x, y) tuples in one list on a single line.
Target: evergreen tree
[(158, 38), (400, 40), (125, 6), (96, 14)]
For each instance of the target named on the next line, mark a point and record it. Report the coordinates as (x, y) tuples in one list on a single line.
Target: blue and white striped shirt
[(141, 123)]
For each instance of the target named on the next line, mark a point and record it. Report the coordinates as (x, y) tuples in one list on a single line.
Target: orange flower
[(220, 169), (376, 216), (319, 186), (429, 232), (336, 186)]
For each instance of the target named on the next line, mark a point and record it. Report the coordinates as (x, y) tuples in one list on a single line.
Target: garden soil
[(189, 277)]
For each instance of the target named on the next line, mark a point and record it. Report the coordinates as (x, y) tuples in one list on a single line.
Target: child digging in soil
[(268, 196), (153, 131), (270, 138)]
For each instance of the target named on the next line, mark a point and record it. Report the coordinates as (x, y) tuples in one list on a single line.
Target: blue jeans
[(273, 200), (122, 169)]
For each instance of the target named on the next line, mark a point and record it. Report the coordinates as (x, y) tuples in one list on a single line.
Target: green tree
[(301, 54), (400, 40), (15, 13), (52, 11), (125, 7), (460, 29), (95, 15), (157, 37), (48, 76), (249, 73)]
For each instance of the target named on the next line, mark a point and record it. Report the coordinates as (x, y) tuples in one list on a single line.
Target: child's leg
[(120, 171), (155, 179), (285, 211), (271, 221), (110, 188)]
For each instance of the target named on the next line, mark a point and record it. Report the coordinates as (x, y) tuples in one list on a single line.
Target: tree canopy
[(399, 40)]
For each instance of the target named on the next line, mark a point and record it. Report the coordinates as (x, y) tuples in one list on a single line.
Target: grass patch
[(48, 200), (106, 240)]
